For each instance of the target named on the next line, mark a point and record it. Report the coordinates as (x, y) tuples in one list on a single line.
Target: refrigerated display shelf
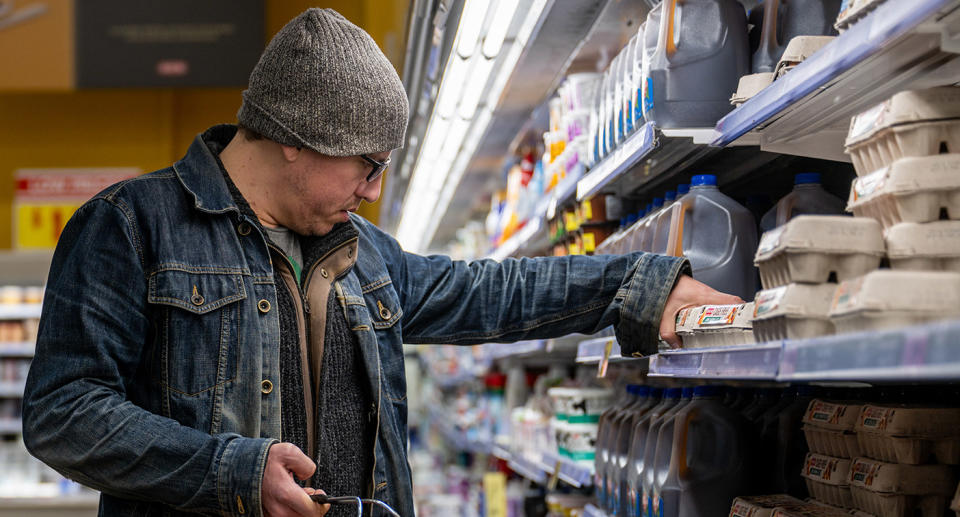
[(19, 311), (920, 353), (17, 349), (8, 427), (11, 389), (807, 111)]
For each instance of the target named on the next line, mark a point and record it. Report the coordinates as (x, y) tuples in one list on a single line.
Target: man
[(224, 336)]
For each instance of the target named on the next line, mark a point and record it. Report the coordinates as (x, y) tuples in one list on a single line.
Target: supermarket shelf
[(806, 112), (11, 389), (8, 427), (53, 504), (505, 350), (17, 349), (622, 159), (533, 235), (922, 353), (593, 351), (592, 511), (19, 312), (758, 362)]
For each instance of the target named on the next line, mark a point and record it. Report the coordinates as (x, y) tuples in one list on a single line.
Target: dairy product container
[(646, 474), (718, 236), (660, 226), (613, 443), (812, 248), (799, 50), (829, 428), (631, 462), (761, 505), (931, 246), (911, 123), (629, 82), (701, 53), (715, 325), (618, 96), (784, 21), (644, 241), (912, 435), (581, 443), (634, 394), (580, 405), (809, 510), (793, 311), (750, 85), (854, 10), (806, 198), (889, 299), (895, 490), (827, 479), (912, 190), (636, 91)]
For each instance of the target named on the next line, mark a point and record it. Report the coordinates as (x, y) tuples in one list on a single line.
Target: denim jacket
[(156, 377)]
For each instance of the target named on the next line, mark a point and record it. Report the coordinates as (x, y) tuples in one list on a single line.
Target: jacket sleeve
[(77, 417), (456, 302)]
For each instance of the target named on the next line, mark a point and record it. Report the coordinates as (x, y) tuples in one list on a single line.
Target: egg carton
[(715, 325), (911, 435), (761, 505), (911, 190), (829, 428), (931, 246), (827, 479), (799, 50), (853, 10), (793, 311), (895, 490), (811, 248), (809, 509), (886, 299), (749, 86), (911, 123)]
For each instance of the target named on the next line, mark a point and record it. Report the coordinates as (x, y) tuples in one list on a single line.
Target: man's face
[(316, 191)]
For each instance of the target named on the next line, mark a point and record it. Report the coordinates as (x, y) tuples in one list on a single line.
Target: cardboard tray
[(749, 86), (933, 246), (809, 248), (827, 479), (799, 50), (894, 490), (793, 311), (829, 428), (886, 299), (761, 505), (716, 325), (910, 435), (912, 190)]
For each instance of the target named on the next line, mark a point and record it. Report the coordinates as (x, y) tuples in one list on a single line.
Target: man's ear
[(290, 153)]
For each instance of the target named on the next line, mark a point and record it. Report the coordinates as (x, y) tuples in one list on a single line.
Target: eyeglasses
[(378, 167)]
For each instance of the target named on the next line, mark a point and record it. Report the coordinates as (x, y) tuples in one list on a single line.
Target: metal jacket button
[(263, 306), (196, 298), (266, 387), (323, 273), (244, 228), (384, 312)]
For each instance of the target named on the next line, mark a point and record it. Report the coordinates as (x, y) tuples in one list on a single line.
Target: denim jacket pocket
[(197, 328), (383, 304)]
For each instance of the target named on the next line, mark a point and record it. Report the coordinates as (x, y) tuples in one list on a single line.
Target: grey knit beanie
[(324, 84)]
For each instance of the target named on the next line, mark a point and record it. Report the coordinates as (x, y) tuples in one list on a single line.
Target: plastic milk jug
[(807, 197)]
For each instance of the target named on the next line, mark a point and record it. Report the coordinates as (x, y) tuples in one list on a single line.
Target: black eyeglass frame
[(378, 167)]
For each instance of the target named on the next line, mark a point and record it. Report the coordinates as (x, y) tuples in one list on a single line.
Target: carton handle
[(675, 237), (668, 26), (771, 38), (683, 472)]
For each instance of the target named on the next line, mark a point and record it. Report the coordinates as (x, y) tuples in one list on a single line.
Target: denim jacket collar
[(193, 171)]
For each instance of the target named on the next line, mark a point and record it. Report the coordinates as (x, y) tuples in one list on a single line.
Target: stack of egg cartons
[(906, 153), (829, 428), (798, 261), (909, 458), (715, 325)]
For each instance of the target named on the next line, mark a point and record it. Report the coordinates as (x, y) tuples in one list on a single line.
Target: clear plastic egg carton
[(853, 10), (761, 505), (716, 325), (829, 428), (799, 50), (912, 190), (811, 248), (895, 490), (885, 299), (911, 123), (793, 311), (827, 479), (911, 435), (931, 246)]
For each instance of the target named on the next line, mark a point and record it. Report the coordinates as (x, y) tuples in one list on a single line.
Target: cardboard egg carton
[(793, 311), (911, 123), (716, 325), (751, 85), (810, 509), (799, 50), (761, 505), (811, 248), (885, 299), (911, 435), (895, 490), (829, 428), (911, 190), (827, 479), (931, 246), (854, 11)]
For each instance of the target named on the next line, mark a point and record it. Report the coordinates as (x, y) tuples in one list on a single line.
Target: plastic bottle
[(620, 443), (630, 434), (651, 35), (766, 398), (645, 470), (782, 440), (784, 20), (603, 120), (643, 398), (637, 87), (629, 396), (702, 51), (661, 227), (646, 232), (615, 98), (717, 235), (636, 231), (807, 197), (709, 461), (630, 53)]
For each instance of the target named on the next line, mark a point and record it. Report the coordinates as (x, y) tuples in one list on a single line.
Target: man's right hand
[(281, 495)]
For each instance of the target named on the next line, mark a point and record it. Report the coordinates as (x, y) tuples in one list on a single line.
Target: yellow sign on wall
[(46, 199), (495, 494)]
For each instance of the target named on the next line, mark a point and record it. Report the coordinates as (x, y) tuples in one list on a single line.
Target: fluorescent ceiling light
[(473, 90), (471, 23), (498, 27), (450, 86)]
